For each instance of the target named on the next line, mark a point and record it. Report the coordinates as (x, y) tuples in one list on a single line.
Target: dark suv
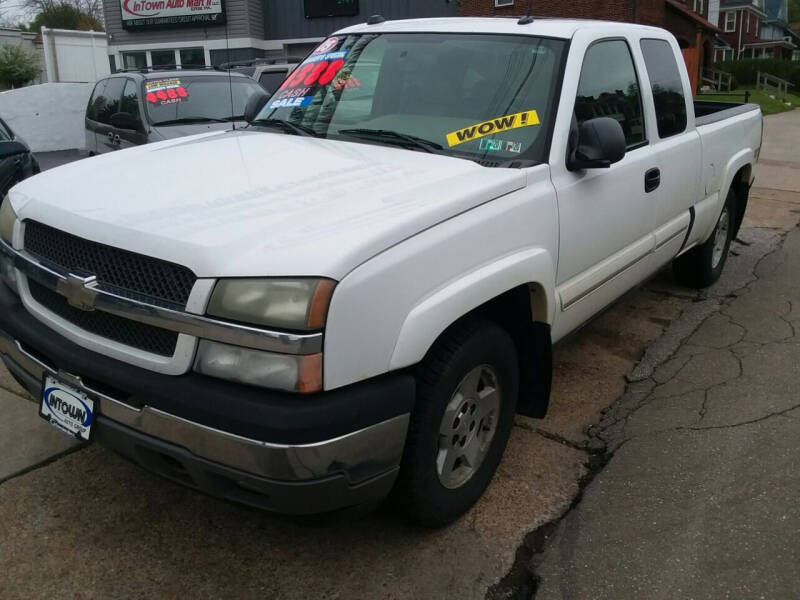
[(128, 109)]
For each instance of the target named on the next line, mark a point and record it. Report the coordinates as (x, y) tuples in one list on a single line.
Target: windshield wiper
[(286, 126), (388, 136)]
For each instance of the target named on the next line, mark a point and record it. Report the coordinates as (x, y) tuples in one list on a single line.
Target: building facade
[(688, 20), (755, 29), (152, 33)]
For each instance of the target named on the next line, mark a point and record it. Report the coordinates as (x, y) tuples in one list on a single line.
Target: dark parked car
[(129, 109), (270, 74), (16, 159)]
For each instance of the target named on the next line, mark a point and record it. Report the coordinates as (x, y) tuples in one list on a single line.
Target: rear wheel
[(466, 398), (702, 266)]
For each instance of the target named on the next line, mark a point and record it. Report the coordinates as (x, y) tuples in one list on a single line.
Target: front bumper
[(277, 451)]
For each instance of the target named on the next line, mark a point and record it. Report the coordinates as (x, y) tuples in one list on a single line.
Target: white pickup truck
[(351, 298)]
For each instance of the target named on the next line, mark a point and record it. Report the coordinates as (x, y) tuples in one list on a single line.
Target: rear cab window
[(666, 85), (609, 87)]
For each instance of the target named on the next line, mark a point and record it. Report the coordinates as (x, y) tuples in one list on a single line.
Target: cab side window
[(609, 88), (665, 81), (130, 99)]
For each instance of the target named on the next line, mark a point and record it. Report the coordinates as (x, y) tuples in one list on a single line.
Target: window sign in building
[(139, 14), (330, 8)]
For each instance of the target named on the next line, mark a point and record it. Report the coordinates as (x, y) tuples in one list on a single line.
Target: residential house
[(754, 29), (693, 22)]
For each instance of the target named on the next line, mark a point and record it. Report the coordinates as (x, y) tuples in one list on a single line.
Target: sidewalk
[(701, 498)]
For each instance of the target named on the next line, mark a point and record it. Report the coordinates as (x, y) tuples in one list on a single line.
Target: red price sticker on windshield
[(165, 91), (318, 70)]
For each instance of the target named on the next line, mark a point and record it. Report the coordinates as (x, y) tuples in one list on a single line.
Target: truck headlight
[(296, 304), (290, 372), (7, 219)]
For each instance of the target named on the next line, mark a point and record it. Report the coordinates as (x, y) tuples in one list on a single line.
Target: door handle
[(652, 179)]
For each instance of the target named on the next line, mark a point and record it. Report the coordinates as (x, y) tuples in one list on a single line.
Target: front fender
[(432, 315)]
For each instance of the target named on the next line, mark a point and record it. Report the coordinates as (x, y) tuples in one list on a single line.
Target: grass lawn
[(768, 105)]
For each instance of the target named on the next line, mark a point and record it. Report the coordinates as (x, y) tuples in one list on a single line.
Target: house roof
[(686, 12), (729, 4)]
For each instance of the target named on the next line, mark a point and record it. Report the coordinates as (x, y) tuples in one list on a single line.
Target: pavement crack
[(779, 413), (554, 437), (42, 463)]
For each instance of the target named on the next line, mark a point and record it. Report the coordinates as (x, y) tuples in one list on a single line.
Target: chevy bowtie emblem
[(79, 291)]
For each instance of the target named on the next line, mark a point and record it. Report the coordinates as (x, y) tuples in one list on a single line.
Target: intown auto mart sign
[(138, 14)]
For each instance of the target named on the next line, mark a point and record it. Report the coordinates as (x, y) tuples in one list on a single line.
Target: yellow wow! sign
[(506, 123)]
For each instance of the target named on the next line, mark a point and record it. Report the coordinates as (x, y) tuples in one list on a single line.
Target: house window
[(748, 23), (730, 21), (502, 3), (727, 54), (698, 6)]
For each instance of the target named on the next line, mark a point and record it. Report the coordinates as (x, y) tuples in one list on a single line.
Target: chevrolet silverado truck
[(351, 298)]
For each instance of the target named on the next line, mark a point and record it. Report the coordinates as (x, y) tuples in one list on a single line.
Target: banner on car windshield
[(141, 14), (528, 118)]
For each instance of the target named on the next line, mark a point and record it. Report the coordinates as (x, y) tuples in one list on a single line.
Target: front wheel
[(701, 266), (466, 399)]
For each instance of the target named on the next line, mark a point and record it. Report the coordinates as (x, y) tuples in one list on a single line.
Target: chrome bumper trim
[(360, 455), (165, 318)]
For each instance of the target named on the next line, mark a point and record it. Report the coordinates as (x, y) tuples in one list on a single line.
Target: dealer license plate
[(67, 409)]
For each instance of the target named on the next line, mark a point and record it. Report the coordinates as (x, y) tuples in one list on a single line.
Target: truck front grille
[(125, 273), (124, 331)]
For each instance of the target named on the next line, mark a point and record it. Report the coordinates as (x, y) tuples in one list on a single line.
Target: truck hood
[(250, 203)]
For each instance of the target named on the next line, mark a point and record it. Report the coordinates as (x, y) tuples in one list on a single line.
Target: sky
[(12, 12)]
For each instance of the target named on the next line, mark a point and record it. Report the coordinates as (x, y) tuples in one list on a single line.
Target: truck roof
[(541, 26)]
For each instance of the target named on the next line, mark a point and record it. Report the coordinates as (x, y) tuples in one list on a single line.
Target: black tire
[(697, 267), (419, 494)]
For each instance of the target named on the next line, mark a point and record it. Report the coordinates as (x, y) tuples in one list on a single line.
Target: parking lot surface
[(79, 522)]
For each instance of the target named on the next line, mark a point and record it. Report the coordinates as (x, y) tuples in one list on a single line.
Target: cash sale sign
[(139, 14)]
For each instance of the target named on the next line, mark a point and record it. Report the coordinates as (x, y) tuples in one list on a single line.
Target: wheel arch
[(508, 293)]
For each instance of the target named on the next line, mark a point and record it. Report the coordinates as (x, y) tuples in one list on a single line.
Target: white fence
[(49, 116), (75, 56)]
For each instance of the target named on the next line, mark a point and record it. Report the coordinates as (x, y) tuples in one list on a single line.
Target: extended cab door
[(606, 216), (676, 143)]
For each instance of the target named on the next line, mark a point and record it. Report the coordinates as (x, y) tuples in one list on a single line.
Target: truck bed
[(709, 111)]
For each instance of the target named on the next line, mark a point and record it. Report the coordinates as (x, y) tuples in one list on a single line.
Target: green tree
[(794, 11), (18, 66), (64, 16)]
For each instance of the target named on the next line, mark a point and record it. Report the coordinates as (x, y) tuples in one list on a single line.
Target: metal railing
[(770, 83), (719, 80)]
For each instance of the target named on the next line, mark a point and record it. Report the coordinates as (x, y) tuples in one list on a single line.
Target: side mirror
[(254, 105), (11, 149), (123, 120), (595, 144)]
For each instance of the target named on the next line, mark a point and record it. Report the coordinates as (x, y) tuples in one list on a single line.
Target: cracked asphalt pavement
[(665, 468)]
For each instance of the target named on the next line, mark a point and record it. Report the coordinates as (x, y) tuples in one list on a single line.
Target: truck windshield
[(488, 98), (197, 98)]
